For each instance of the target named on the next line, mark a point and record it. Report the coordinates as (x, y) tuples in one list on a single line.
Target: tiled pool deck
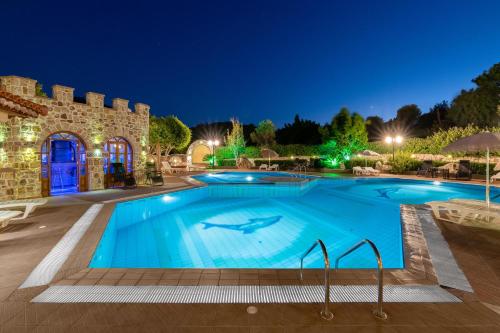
[(24, 247)]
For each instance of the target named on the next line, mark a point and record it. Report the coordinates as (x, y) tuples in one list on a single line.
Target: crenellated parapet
[(26, 88)]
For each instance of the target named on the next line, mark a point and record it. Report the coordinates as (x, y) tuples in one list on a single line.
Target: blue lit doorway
[(64, 165)]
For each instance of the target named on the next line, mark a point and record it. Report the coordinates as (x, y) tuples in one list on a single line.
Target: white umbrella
[(369, 153), (269, 153), (484, 141)]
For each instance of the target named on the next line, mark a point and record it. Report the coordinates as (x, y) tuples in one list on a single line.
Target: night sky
[(211, 60)]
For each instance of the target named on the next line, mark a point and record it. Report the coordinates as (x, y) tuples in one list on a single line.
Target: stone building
[(65, 144)]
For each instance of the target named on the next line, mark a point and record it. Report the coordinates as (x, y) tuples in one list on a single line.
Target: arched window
[(119, 151)]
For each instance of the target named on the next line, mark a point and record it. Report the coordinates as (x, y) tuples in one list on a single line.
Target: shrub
[(435, 143), (252, 152), (226, 163), (480, 168), (296, 150), (222, 153), (283, 164), (359, 161), (403, 162)]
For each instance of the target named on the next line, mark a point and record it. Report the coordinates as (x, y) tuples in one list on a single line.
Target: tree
[(166, 134), (340, 126), (407, 116), (39, 90), (349, 131), (479, 106), (234, 139), (358, 137), (346, 134), (207, 131), (301, 131), (433, 121), (374, 127), (265, 133)]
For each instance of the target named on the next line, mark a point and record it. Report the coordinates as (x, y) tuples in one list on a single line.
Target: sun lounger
[(358, 171), (371, 171), (274, 167), (495, 177), (7, 215), (28, 204), (167, 168), (263, 167), (463, 211)]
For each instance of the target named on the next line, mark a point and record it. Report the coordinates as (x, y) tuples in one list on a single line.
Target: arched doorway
[(197, 151), (118, 154), (64, 164)]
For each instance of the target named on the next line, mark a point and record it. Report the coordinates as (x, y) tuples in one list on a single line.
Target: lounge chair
[(167, 168), (274, 167), (497, 170), (28, 204), (358, 171), (7, 215), (425, 169), (462, 211), (495, 177), (263, 167), (464, 170), (371, 171)]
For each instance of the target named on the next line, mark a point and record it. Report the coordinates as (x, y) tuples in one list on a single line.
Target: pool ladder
[(325, 312)]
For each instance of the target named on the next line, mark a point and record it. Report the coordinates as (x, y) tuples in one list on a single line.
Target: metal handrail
[(325, 313), (378, 312)]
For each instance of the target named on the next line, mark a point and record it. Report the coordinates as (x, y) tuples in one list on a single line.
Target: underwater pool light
[(436, 182), (168, 198), (249, 178)]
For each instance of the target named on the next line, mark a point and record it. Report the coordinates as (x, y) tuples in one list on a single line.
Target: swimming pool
[(267, 226), (244, 177)]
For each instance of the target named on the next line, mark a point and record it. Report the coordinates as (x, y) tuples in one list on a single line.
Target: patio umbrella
[(268, 153), (484, 141), (368, 153)]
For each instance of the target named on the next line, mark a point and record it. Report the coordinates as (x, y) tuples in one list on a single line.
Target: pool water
[(243, 177), (267, 226)]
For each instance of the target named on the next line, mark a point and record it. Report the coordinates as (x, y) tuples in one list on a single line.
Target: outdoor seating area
[(468, 212), (365, 171)]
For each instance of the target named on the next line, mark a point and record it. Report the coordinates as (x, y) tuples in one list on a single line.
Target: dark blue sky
[(211, 60)]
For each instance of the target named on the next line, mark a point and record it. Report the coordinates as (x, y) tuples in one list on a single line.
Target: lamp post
[(212, 144), (393, 140)]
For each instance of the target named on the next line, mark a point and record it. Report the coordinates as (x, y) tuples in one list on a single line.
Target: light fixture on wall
[(28, 132)]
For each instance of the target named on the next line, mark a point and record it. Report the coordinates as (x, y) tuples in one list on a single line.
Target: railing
[(378, 312), (325, 313)]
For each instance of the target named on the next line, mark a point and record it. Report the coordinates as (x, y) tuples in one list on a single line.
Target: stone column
[(95, 172)]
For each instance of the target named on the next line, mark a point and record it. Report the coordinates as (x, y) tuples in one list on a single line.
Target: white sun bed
[(28, 204), (274, 167), (7, 215), (495, 177), (371, 171), (358, 171), (462, 211), (263, 167)]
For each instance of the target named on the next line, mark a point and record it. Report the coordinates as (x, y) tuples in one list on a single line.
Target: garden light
[(393, 140)]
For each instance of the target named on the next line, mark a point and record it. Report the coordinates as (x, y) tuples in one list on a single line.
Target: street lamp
[(393, 140), (212, 144)]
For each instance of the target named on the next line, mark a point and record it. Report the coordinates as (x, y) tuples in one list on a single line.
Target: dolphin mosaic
[(249, 227), (384, 192)]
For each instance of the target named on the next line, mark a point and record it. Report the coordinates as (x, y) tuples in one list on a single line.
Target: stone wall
[(92, 122)]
